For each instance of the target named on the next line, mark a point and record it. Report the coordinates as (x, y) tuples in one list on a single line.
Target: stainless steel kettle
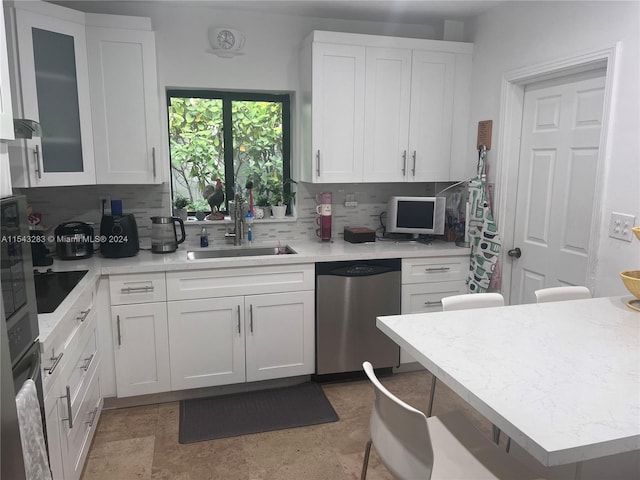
[(164, 238)]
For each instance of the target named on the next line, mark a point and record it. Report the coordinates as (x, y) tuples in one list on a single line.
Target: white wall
[(518, 34)]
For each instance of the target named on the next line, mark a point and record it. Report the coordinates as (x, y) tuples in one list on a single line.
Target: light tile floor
[(142, 442)]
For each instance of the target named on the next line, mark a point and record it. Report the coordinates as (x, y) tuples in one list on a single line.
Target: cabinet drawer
[(80, 362), (434, 269), (138, 288), (223, 282), (426, 297), (86, 412), (62, 342)]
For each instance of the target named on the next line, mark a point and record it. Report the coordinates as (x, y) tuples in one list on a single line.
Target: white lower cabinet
[(219, 341), (141, 348), (426, 281), (73, 399)]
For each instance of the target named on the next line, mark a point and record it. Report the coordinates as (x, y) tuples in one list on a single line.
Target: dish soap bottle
[(204, 237)]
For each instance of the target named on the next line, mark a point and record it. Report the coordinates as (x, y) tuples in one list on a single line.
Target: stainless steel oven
[(19, 325)]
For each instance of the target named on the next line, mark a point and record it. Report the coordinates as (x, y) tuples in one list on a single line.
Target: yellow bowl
[(636, 230), (631, 280)]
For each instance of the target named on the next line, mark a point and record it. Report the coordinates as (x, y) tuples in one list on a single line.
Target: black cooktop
[(53, 287)]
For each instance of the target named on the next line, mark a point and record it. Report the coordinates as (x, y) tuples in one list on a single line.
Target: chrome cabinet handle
[(413, 170), (404, 163), (438, 269), (318, 163), (432, 304), (93, 414), (56, 361), (83, 314), (127, 290), (36, 155), (69, 412), (153, 156), (87, 363), (251, 317), (239, 331), (118, 328)]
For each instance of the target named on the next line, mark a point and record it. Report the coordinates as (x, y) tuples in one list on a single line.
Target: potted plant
[(284, 197), (180, 207)]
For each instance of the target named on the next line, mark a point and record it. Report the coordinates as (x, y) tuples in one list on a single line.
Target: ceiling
[(400, 11)]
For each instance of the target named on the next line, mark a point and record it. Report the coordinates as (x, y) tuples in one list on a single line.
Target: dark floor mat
[(252, 412)]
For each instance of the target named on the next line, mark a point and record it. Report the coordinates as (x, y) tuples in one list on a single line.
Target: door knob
[(515, 252)]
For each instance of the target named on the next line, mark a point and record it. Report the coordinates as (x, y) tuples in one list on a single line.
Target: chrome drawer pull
[(83, 315), (153, 157), (36, 155), (404, 163), (318, 163), (56, 361), (148, 288), (119, 332), (251, 317), (69, 412), (93, 414), (87, 361), (438, 269), (413, 170), (239, 319), (433, 304)]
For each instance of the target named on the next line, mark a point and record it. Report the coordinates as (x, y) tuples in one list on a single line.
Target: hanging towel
[(483, 234), (34, 450)]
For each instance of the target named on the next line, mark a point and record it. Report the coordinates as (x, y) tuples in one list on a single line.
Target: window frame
[(228, 97)]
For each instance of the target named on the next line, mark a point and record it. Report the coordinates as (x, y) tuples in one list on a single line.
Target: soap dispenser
[(204, 237)]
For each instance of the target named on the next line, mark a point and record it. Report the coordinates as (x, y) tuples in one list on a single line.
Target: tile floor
[(142, 442)]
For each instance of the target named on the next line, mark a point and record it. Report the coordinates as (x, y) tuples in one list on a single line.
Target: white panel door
[(141, 347), (557, 175), (206, 342), (338, 112), (386, 122), (280, 335), (431, 118), (125, 105)]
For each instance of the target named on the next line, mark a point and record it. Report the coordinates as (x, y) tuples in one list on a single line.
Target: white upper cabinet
[(91, 82), (337, 110), (55, 92), (413, 124), (125, 105), (6, 110)]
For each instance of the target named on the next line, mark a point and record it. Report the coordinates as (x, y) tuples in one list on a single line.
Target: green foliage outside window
[(197, 140)]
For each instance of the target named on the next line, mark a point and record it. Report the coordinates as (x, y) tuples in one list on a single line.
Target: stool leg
[(432, 394), (365, 463)]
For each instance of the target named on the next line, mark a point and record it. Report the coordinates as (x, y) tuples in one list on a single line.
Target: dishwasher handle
[(360, 271)]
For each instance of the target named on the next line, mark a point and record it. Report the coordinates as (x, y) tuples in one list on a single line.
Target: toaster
[(119, 236)]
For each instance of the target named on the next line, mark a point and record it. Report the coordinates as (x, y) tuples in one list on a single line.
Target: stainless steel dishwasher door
[(349, 297)]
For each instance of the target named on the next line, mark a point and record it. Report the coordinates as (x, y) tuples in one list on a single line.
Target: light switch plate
[(620, 226)]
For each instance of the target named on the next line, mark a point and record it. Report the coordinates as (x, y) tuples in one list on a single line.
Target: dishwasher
[(349, 297)]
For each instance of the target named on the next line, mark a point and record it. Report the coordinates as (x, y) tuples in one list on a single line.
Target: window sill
[(227, 221)]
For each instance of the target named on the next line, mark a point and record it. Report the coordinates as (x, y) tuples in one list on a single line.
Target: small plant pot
[(278, 211), (181, 213)]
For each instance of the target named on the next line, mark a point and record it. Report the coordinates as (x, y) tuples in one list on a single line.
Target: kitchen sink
[(239, 252)]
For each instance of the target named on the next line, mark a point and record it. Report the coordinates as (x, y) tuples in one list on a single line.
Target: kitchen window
[(231, 136)]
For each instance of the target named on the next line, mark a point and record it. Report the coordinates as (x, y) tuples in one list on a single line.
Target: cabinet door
[(338, 73), (425, 298), (430, 126), (6, 110), (141, 348), (386, 122), (206, 342), (55, 92), (125, 105), (280, 332)]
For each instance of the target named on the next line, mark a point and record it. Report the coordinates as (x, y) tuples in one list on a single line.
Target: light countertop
[(561, 379), (307, 252)]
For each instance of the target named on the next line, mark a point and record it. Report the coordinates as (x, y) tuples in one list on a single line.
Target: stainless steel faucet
[(238, 220)]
